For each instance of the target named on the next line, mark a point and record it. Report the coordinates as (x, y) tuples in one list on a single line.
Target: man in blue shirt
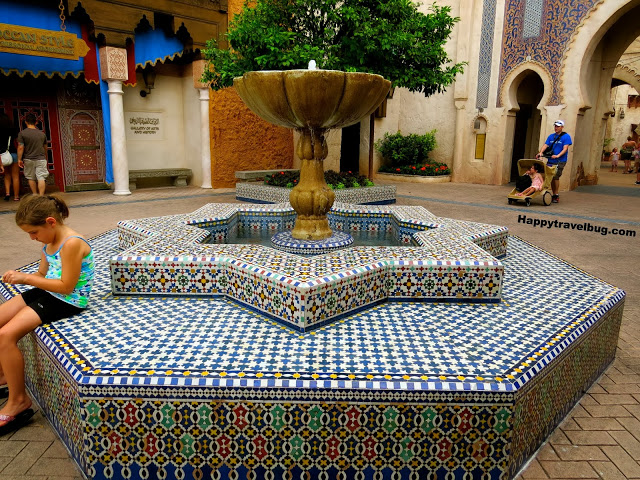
[(558, 145)]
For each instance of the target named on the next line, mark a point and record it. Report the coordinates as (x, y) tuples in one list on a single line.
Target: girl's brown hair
[(34, 210)]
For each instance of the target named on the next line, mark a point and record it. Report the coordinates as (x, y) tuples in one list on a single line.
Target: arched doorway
[(592, 63), (526, 137)]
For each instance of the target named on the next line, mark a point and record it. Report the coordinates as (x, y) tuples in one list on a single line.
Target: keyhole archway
[(528, 120)]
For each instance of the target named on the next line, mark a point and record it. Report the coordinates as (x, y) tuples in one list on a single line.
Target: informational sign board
[(144, 125)]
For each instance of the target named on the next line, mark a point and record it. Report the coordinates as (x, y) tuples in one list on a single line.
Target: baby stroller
[(548, 173)]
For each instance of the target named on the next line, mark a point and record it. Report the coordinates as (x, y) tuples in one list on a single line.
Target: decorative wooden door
[(86, 164)]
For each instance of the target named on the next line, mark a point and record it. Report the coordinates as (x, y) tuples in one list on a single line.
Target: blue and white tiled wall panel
[(260, 193), (441, 261), (272, 222)]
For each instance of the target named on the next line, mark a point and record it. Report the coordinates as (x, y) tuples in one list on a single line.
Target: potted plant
[(409, 155)]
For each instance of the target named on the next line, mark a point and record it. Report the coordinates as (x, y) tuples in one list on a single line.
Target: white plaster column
[(205, 138), (199, 68), (119, 161), (113, 69)]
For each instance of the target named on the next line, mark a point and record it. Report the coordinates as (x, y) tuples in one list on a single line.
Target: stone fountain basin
[(315, 99), (445, 260)]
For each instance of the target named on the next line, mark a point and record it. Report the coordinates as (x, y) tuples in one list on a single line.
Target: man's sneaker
[(555, 198), (637, 183)]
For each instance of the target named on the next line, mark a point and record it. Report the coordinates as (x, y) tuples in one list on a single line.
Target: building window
[(532, 18), (480, 141)]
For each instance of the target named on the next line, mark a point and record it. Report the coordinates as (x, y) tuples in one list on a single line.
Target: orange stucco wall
[(234, 7), (240, 140)]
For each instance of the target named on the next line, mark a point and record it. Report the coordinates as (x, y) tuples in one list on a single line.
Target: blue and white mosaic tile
[(444, 259), (212, 341), (260, 193), (287, 243), (402, 389)]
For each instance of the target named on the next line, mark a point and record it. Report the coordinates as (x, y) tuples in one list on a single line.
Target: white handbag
[(7, 159)]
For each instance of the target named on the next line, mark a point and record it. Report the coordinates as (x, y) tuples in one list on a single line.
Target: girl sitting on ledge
[(62, 285)]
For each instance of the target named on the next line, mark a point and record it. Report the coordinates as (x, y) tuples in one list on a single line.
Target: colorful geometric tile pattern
[(444, 260), (560, 18), (260, 193), (196, 387)]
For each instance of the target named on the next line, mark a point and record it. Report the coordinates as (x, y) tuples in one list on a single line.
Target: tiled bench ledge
[(164, 256), (260, 193), (259, 174)]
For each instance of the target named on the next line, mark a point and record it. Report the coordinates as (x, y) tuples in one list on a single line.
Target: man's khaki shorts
[(35, 169), (560, 167)]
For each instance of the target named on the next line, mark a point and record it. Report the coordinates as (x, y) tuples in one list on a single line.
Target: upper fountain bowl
[(315, 99)]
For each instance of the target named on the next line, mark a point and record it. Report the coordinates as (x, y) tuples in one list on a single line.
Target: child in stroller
[(535, 172), (532, 168)]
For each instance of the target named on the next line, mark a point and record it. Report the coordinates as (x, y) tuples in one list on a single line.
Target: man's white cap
[(559, 123)]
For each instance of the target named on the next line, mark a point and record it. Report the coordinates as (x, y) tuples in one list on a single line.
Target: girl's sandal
[(16, 199), (15, 422)]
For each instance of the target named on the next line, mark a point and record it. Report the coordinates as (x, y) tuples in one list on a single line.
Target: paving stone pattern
[(600, 438)]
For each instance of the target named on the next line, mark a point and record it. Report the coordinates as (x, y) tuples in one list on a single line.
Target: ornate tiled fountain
[(452, 356), (204, 360)]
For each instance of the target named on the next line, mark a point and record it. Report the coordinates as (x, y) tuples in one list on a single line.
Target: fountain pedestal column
[(311, 101), (312, 198)]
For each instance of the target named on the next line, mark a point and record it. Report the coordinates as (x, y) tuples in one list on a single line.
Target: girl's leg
[(7, 179), (15, 178), (12, 361), (8, 310)]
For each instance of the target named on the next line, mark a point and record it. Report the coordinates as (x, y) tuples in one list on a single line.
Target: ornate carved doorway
[(85, 162), (81, 131)]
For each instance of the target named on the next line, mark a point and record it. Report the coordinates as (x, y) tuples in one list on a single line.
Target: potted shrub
[(409, 155)]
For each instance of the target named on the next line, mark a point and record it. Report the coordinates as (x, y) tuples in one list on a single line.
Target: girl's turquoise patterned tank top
[(80, 294)]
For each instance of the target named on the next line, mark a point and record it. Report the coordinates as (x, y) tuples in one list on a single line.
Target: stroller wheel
[(528, 202), (546, 198), (511, 201)]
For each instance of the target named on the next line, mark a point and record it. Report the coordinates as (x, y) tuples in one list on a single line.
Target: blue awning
[(155, 46), (44, 18)]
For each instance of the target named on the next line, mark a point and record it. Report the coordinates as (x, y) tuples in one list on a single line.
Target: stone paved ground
[(601, 436)]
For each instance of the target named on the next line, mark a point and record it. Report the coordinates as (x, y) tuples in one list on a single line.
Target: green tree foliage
[(387, 37)]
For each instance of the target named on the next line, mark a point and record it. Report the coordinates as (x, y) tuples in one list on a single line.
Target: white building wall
[(620, 128), (167, 102)]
